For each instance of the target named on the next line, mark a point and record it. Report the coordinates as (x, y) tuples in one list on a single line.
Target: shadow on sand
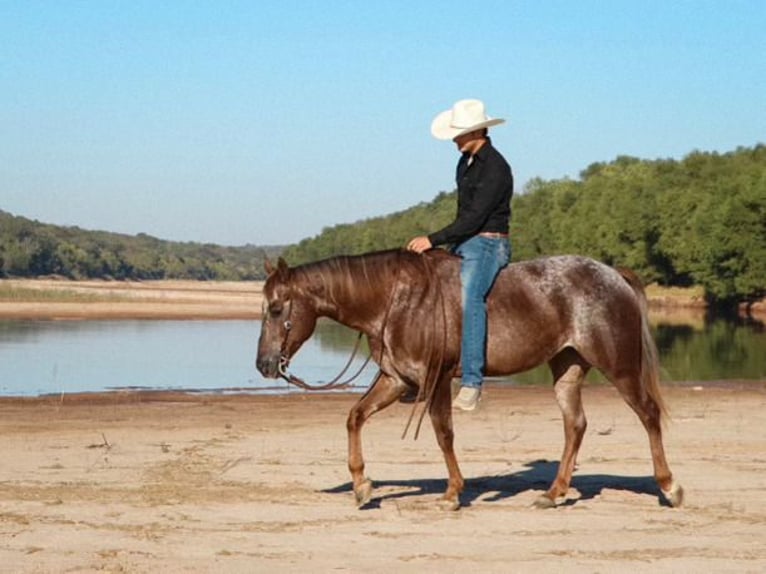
[(537, 475)]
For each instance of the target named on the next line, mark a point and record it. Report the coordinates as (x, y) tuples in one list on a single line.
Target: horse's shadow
[(537, 475)]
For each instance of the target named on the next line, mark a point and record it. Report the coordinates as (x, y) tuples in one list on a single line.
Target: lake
[(55, 357)]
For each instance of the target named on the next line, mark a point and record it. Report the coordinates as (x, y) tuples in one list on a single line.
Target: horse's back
[(570, 280), (539, 307)]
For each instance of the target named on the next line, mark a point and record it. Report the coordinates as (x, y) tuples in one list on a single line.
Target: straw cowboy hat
[(464, 117)]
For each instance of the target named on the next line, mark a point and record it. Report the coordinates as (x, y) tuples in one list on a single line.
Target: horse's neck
[(349, 292)]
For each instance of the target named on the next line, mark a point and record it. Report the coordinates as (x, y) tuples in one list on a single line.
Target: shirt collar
[(481, 154)]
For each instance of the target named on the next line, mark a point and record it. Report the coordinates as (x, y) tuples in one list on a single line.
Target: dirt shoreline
[(149, 482)]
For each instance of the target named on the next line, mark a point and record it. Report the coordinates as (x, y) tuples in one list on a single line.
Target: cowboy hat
[(464, 117)]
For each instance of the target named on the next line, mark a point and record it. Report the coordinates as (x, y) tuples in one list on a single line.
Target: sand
[(137, 482), (64, 299)]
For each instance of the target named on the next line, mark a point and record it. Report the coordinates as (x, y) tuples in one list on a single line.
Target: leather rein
[(336, 383), (332, 385)]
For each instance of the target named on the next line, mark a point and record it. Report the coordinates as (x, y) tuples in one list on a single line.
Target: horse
[(570, 311)]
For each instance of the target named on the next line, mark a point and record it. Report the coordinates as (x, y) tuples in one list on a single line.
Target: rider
[(479, 233)]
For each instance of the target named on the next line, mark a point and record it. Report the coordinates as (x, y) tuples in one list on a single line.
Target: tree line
[(32, 249), (700, 220)]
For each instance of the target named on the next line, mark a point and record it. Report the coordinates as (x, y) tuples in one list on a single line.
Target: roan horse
[(572, 312)]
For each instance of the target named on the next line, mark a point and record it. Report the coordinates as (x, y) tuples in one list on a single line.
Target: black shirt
[(484, 190)]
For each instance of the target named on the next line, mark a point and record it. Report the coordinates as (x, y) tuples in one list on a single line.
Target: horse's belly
[(510, 351)]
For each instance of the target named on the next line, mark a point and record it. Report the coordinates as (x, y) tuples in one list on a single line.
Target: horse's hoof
[(674, 496), (448, 503), (544, 501), (363, 494)]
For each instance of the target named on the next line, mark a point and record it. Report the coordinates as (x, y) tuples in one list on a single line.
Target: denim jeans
[(482, 260)]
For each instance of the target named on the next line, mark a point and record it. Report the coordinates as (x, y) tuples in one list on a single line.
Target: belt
[(493, 235)]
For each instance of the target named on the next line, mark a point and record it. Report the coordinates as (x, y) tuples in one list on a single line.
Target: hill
[(32, 249)]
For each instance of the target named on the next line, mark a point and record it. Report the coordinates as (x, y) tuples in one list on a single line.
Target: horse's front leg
[(384, 391), (441, 417)]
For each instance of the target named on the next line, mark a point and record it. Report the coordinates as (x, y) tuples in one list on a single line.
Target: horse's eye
[(275, 310)]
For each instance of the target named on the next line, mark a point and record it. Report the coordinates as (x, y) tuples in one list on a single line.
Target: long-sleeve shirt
[(484, 191)]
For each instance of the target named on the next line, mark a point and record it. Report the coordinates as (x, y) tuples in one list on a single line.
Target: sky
[(261, 122)]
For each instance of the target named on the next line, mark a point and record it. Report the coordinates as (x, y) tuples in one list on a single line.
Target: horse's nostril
[(267, 366), (260, 364)]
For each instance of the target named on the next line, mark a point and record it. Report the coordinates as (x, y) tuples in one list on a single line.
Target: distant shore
[(175, 299), (63, 299)]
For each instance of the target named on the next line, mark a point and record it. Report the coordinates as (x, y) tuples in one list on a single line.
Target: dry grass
[(21, 294)]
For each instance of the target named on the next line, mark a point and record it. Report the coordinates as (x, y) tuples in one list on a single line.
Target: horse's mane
[(361, 275)]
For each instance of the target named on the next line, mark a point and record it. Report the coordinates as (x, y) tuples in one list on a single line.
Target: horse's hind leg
[(440, 411), (649, 413), (384, 391), (569, 370)]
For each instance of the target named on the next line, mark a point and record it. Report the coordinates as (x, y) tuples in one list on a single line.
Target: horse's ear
[(282, 268), (268, 266)]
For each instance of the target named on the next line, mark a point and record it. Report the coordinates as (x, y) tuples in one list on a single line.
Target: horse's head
[(289, 319)]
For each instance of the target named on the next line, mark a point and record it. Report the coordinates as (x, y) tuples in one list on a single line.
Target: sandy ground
[(176, 483), (137, 300)]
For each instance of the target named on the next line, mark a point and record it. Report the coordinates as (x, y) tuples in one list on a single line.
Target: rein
[(427, 389), (336, 383)]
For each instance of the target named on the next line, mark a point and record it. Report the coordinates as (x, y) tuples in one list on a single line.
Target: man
[(479, 234)]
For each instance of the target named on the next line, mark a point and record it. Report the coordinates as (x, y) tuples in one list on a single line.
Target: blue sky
[(263, 122)]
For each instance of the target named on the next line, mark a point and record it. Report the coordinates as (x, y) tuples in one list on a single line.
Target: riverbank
[(64, 299), (148, 482)]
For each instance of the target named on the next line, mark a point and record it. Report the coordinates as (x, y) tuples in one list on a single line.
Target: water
[(54, 357), (716, 349)]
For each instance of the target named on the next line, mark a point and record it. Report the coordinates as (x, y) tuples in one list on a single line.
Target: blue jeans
[(482, 260)]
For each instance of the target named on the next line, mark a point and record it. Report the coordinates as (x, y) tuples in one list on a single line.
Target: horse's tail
[(650, 363)]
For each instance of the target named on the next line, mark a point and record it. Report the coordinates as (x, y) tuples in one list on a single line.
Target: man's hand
[(419, 244)]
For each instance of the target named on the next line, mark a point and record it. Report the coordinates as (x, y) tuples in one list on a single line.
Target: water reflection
[(696, 347), (726, 349)]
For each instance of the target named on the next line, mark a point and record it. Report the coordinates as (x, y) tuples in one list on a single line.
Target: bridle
[(335, 383)]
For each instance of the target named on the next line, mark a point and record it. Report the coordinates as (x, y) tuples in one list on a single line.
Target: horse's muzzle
[(269, 367)]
